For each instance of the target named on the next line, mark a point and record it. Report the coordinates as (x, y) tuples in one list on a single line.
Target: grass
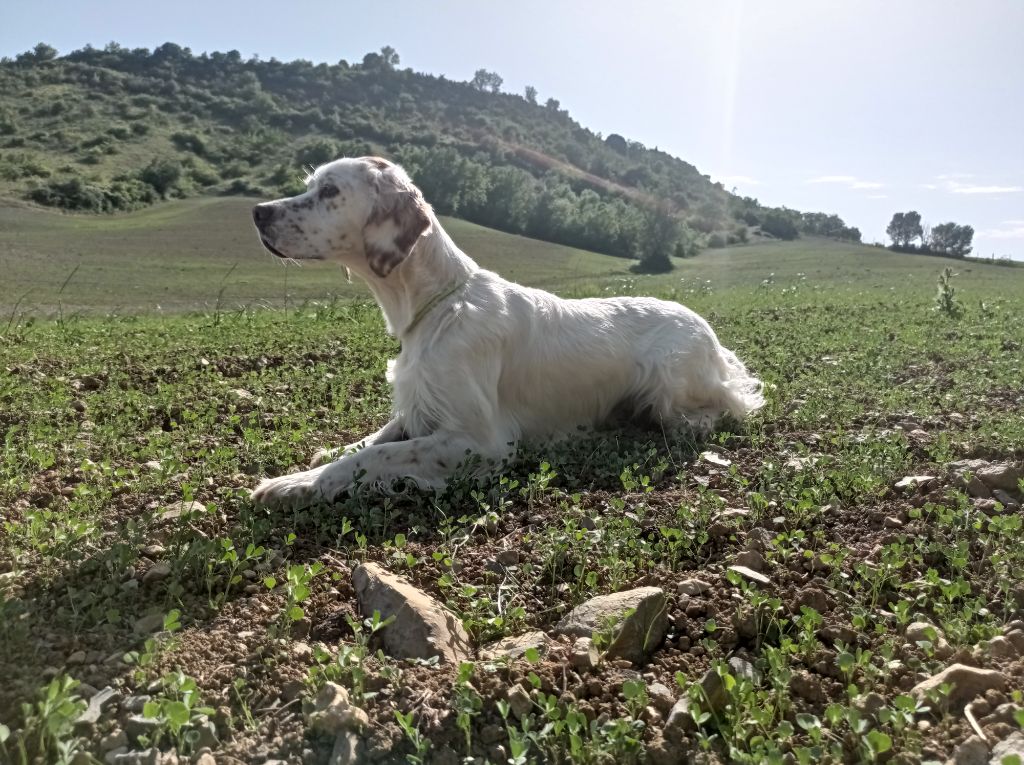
[(111, 421), (199, 253)]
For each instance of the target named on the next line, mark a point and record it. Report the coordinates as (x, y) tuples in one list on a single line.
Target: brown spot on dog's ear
[(399, 218), (378, 162)]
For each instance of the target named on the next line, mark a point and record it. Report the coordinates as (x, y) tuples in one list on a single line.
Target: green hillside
[(117, 129)]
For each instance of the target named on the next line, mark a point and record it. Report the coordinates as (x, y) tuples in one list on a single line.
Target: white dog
[(485, 363)]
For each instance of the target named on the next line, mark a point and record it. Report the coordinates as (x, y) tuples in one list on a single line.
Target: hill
[(118, 129), (201, 253)]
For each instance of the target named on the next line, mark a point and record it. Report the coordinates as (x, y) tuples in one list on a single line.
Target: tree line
[(909, 234)]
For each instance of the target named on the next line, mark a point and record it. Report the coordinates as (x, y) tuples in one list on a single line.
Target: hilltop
[(117, 129)]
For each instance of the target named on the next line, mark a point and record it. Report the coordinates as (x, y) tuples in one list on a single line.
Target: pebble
[(750, 559), (116, 739), (148, 624), (584, 654), (750, 575), (519, 701), (157, 572), (693, 587)]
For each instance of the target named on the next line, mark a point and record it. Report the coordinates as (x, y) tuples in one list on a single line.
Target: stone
[(1001, 475), (1016, 637), (741, 668), (348, 749), (1001, 648), (135, 704), (807, 686), (967, 683), (205, 759), (516, 646), (95, 707), (157, 572), (1007, 748), (869, 703), (584, 654), (638, 619), (111, 756), (78, 657), (693, 587), (892, 522), (333, 712), (750, 575), (1007, 500), (973, 751), (679, 721), (116, 739), (751, 559), (178, 509), (137, 725), (913, 481), (812, 597), (715, 459), (661, 696), (422, 628), (917, 632), (519, 701), (145, 625), (507, 558)]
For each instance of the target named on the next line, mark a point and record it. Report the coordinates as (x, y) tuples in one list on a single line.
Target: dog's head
[(364, 213)]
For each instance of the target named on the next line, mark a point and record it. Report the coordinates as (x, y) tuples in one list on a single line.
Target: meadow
[(154, 366)]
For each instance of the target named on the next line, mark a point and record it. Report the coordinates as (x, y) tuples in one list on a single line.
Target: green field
[(109, 421)]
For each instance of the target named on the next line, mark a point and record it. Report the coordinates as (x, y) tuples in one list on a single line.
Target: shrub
[(716, 241), (162, 174)]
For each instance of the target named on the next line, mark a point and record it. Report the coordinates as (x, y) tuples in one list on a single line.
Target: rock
[(751, 559), (741, 668), (519, 701), (750, 575), (147, 624), (78, 657), (715, 459), (178, 509), (1001, 648), (636, 634), (693, 587), (975, 487), (584, 654), (95, 708), (111, 756), (759, 539), (661, 696), (973, 751), (157, 573), (1016, 637), (679, 722), (967, 683), (422, 627), (1005, 499), (205, 759), (137, 725), (333, 713), (812, 597), (869, 703), (116, 739), (207, 734), (507, 558), (917, 632), (1007, 748), (892, 522), (135, 704), (515, 647), (1004, 713), (913, 481), (348, 749), (994, 475), (807, 686), (153, 551), (149, 756)]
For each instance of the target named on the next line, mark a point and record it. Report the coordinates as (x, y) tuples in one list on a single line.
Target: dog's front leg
[(393, 431)]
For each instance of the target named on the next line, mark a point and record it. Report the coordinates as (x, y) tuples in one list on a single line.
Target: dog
[(485, 363)]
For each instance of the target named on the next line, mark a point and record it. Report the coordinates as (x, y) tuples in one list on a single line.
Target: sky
[(858, 108)]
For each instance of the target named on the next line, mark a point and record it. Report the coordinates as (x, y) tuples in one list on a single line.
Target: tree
[(531, 94), (162, 173), (41, 52), (617, 143), (661, 233), (389, 57), (904, 228), (553, 104), (779, 225), (488, 82), (951, 239)]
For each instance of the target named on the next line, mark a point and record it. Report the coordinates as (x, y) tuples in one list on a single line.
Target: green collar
[(432, 303)]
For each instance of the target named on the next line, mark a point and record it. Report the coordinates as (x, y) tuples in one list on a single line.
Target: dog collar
[(432, 303)]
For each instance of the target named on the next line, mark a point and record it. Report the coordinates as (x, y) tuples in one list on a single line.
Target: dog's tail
[(742, 393)]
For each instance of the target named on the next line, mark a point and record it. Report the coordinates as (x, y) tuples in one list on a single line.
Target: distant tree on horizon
[(531, 94), (904, 228), (488, 82), (952, 239)]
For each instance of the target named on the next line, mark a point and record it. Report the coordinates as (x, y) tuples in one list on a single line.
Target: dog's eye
[(328, 190)]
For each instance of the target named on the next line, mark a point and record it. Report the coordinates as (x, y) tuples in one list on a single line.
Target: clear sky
[(859, 108)]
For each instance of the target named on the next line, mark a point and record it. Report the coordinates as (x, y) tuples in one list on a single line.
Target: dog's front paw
[(295, 490)]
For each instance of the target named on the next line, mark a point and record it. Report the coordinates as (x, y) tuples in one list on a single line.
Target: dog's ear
[(399, 218)]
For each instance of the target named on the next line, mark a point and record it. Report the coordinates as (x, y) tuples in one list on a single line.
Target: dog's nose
[(261, 214)]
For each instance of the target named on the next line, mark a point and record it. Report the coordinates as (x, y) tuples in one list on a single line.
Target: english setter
[(485, 363)]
